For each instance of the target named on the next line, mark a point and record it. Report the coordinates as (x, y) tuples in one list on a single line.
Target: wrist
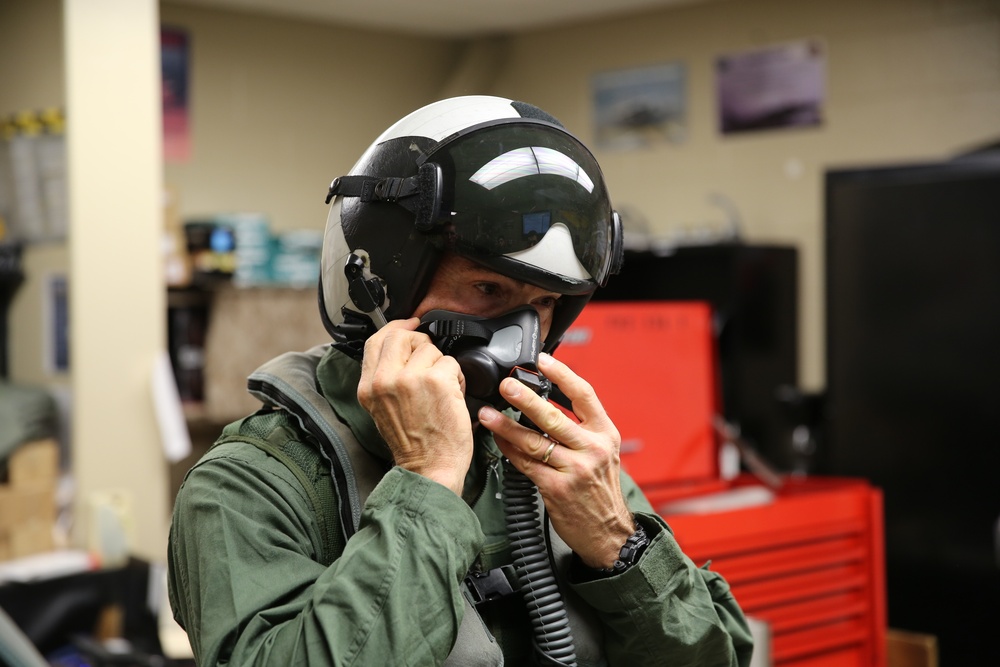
[(444, 476), (627, 554), (605, 551)]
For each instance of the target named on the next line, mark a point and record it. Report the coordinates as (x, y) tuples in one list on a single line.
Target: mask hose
[(489, 350), (534, 570)]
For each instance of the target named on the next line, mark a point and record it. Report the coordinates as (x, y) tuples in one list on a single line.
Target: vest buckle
[(491, 585)]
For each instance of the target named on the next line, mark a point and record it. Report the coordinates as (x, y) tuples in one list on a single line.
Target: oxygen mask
[(488, 350)]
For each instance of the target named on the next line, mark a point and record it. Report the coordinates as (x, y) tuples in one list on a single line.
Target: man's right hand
[(416, 395)]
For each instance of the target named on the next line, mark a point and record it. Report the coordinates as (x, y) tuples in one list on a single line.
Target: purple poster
[(174, 77), (774, 87)]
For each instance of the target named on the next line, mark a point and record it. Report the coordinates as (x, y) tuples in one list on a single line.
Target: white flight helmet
[(499, 182)]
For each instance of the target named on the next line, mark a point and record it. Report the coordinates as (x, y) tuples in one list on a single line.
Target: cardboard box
[(27, 519), (911, 649), (28, 502), (34, 464)]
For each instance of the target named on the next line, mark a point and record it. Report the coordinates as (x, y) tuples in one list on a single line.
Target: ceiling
[(442, 18)]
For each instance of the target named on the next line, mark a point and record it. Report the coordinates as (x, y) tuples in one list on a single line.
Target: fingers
[(396, 346), (586, 405), (416, 398), (530, 444), (550, 419), (395, 359), (576, 466), (595, 436), (385, 343), (543, 475)]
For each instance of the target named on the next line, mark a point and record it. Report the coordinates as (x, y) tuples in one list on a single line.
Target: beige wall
[(96, 59), (264, 90), (907, 80)]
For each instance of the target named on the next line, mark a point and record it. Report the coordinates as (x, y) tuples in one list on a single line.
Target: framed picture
[(775, 87), (639, 107)]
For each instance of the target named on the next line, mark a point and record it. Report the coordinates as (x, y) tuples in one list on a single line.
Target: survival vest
[(289, 382)]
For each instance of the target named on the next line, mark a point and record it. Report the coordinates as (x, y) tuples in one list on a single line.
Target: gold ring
[(548, 453)]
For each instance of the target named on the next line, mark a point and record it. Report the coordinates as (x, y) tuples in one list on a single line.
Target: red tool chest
[(807, 558)]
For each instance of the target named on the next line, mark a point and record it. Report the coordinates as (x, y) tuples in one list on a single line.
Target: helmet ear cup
[(429, 187), (617, 245)]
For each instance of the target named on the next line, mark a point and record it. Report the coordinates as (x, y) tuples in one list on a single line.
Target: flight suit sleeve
[(246, 584), (665, 610)]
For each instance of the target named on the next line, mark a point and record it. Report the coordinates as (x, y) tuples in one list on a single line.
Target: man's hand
[(416, 395), (580, 481)]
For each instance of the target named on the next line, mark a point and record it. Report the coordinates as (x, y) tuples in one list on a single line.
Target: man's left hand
[(579, 482)]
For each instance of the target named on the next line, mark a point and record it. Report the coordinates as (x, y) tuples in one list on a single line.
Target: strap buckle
[(492, 585), (391, 189), (369, 188)]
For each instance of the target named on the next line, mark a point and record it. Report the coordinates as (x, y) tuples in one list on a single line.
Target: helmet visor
[(511, 187)]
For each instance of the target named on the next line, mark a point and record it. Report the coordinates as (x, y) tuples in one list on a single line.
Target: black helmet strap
[(419, 194)]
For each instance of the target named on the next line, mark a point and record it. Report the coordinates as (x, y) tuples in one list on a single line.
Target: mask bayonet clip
[(367, 294)]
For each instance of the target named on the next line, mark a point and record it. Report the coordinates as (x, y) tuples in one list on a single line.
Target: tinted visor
[(505, 187)]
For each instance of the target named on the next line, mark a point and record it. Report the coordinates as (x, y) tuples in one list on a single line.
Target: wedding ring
[(548, 453)]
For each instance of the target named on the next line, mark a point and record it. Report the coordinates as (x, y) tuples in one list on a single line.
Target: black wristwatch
[(630, 552)]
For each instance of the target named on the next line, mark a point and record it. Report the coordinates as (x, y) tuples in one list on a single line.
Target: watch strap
[(630, 552)]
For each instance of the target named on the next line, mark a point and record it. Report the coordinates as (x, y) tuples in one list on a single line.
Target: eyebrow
[(493, 277), (482, 274)]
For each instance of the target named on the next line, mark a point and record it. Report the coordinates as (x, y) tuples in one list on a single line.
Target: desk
[(52, 611)]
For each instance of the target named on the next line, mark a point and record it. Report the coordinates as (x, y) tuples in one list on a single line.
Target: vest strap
[(288, 382)]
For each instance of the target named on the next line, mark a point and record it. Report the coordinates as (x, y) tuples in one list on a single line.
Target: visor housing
[(509, 186)]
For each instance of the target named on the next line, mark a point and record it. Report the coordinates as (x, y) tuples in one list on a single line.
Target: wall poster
[(174, 86), (779, 86), (639, 107)]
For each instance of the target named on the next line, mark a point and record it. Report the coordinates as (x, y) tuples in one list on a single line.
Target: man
[(368, 515)]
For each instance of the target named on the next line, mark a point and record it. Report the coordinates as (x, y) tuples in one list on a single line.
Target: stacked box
[(297, 258), (28, 501), (254, 247), (210, 249)]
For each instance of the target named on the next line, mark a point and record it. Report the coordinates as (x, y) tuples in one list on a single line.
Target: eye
[(546, 302), (489, 289)]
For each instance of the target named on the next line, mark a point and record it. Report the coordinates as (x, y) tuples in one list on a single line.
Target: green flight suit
[(259, 573)]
